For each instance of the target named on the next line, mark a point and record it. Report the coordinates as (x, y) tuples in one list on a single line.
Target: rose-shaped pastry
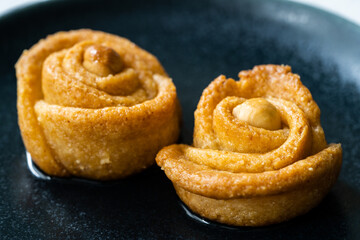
[(259, 155), (94, 105)]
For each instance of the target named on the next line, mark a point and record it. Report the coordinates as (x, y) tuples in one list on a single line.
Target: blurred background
[(348, 9)]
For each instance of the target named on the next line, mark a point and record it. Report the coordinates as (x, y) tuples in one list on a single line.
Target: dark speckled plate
[(196, 41)]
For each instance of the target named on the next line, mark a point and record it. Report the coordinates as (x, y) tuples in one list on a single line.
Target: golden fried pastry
[(94, 105), (259, 155)]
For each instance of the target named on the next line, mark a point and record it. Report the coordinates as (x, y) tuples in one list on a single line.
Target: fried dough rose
[(259, 155), (94, 105)]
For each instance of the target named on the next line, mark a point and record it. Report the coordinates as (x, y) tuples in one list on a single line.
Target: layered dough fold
[(259, 154), (94, 105)]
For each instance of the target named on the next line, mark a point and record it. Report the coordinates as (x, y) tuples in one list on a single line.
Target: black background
[(195, 41)]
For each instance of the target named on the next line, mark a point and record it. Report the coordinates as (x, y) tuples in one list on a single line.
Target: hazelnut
[(102, 60), (258, 112)]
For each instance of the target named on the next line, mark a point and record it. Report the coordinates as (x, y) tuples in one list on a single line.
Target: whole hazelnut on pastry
[(94, 105), (102, 60), (258, 112), (256, 160)]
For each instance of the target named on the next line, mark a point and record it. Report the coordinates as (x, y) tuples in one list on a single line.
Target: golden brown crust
[(234, 165), (254, 211), (91, 104), (206, 181)]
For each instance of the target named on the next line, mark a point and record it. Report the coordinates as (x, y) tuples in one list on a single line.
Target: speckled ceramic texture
[(195, 41)]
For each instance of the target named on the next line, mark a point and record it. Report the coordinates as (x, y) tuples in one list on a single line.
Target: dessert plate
[(195, 41)]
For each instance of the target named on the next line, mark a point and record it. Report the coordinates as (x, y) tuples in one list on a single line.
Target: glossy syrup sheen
[(195, 41)]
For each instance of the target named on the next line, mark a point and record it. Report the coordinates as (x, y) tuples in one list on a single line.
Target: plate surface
[(195, 41)]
